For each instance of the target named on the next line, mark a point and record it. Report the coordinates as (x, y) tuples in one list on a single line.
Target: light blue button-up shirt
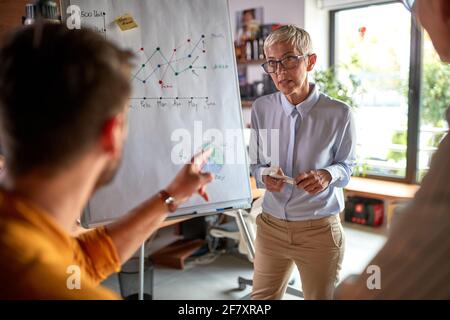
[(318, 133)]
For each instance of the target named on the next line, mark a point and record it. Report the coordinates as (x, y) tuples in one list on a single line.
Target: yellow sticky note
[(126, 22)]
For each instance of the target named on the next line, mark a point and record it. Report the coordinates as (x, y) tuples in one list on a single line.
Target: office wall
[(340, 4), (281, 11), (317, 23)]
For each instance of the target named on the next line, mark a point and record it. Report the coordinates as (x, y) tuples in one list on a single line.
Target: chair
[(243, 230), (236, 230)]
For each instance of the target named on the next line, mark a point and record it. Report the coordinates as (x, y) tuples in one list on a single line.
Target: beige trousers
[(315, 246)]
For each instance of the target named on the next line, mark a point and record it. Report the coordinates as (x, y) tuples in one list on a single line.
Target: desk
[(171, 222), (256, 193)]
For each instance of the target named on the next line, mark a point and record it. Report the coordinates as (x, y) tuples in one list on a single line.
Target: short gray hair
[(297, 37)]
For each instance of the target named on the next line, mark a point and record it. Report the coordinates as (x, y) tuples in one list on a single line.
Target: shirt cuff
[(259, 181), (333, 174)]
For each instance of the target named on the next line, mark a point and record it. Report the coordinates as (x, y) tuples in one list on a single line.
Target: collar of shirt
[(303, 107)]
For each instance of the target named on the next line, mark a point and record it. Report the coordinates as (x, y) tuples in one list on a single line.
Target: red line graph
[(156, 67)]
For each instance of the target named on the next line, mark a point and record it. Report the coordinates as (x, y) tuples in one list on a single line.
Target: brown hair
[(57, 89)]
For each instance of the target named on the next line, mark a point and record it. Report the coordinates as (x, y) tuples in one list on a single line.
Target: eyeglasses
[(409, 4), (289, 62)]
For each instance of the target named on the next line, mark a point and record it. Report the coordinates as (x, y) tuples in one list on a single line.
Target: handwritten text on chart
[(192, 105)]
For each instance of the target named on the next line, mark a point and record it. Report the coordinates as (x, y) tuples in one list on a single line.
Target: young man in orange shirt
[(63, 111)]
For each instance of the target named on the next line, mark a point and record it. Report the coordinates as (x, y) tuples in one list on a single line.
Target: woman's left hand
[(313, 181)]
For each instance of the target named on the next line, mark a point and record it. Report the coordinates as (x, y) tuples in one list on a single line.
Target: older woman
[(315, 139)]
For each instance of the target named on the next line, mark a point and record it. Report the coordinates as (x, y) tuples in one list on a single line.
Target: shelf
[(379, 189), (175, 255), (250, 62), (247, 103)]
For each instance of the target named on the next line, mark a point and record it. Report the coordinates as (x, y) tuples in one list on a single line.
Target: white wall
[(340, 4), (317, 24), (280, 11)]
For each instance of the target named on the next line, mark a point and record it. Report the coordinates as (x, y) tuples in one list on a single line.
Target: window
[(372, 49), (435, 98)]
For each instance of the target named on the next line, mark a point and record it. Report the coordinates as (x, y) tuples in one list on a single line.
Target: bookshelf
[(250, 62), (253, 81), (246, 103)]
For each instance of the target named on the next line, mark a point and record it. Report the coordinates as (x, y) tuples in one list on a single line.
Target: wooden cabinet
[(11, 12)]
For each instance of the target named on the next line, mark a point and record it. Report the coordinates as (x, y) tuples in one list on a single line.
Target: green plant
[(329, 84), (436, 139), (435, 93), (398, 138), (361, 168)]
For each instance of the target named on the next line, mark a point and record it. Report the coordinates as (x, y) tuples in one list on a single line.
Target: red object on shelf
[(364, 211), (378, 214), (359, 208), (362, 32)]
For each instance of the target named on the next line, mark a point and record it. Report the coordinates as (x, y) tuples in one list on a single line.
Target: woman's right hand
[(274, 184)]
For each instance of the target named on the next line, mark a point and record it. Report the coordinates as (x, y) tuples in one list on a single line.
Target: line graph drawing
[(168, 75), (162, 70)]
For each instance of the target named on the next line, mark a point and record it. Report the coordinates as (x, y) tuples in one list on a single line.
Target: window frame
[(414, 91)]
